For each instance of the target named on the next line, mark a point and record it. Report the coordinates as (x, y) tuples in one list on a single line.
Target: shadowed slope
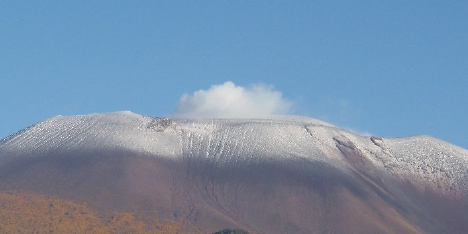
[(269, 198)]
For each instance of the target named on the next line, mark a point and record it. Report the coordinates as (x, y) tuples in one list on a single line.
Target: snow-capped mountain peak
[(420, 159)]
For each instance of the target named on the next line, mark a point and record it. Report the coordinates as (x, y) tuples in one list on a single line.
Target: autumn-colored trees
[(33, 214), (22, 213)]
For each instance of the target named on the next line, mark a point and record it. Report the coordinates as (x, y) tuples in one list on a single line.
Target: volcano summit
[(286, 174)]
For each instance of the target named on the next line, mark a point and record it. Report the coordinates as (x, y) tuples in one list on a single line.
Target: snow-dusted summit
[(420, 159)]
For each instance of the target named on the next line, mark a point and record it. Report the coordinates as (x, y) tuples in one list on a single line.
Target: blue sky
[(391, 68)]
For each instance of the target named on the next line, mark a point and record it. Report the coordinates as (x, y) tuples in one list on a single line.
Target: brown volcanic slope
[(269, 176)]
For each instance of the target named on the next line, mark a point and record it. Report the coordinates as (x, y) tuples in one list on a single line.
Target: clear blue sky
[(391, 68)]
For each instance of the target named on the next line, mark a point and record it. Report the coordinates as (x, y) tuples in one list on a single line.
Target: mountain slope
[(286, 174)]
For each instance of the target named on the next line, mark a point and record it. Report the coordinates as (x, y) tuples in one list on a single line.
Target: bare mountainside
[(281, 175)]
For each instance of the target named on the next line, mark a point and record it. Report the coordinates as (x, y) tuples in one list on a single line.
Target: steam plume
[(230, 101)]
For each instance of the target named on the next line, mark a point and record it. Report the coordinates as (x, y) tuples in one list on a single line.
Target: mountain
[(286, 174)]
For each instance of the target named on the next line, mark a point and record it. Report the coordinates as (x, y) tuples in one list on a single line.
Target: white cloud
[(230, 101)]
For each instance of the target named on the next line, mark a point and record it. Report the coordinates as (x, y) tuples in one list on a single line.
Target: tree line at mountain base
[(25, 213)]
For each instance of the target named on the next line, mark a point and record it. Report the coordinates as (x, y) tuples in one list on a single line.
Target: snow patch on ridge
[(429, 159), (124, 130)]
